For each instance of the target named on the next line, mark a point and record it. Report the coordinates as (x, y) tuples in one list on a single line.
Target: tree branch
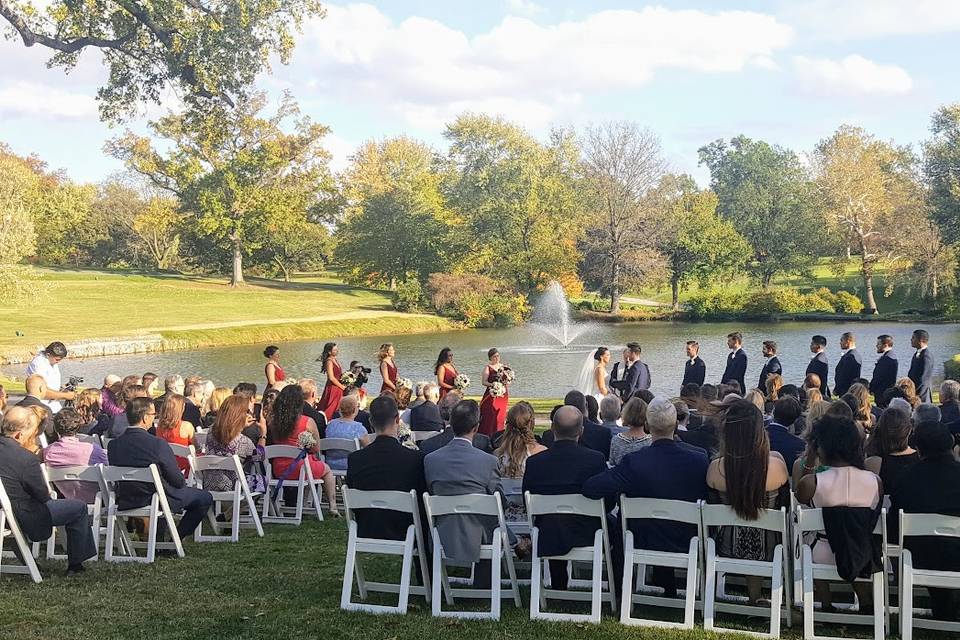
[(30, 37)]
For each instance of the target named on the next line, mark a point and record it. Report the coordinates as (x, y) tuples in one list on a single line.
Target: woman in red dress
[(329, 402), (493, 411), (273, 371), (388, 368), (445, 371)]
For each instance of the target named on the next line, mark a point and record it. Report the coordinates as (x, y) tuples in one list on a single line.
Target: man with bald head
[(36, 387), (562, 469)]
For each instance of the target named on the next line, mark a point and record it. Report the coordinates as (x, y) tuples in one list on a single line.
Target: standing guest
[(771, 367), (889, 448), (695, 369), (635, 437), (227, 438), (137, 448), (563, 469), (819, 365), (29, 495), (426, 417), (36, 388), (149, 382), (272, 370), (347, 427), (333, 390), (388, 367), (849, 365), (921, 366), (516, 446), (174, 429), (885, 370), (610, 408), (785, 413), (594, 436), (46, 364), (309, 388), (192, 401), (445, 371), (749, 477), (493, 411), (68, 451), (87, 406), (949, 407), (736, 369)]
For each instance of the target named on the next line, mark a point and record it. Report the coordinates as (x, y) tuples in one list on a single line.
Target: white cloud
[(31, 100), (524, 7), (849, 19), (852, 76), (425, 71)]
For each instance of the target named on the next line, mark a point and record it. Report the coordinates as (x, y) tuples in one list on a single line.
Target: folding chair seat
[(158, 508), (10, 528), (717, 515), (89, 437), (598, 555), (498, 552), (931, 525), (348, 445), (275, 512), (667, 510), (240, 495), (409, 548), (78, 473), (190, 453), (811, 520)]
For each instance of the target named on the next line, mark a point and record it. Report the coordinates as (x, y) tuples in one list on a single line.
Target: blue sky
[(787, 72)]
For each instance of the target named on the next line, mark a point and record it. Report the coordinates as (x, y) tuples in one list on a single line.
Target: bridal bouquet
[(461, 382), (306, 441), (506, 375), (404, 383), (348, 378), (498, 389)]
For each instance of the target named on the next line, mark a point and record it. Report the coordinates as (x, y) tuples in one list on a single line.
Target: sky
[(788, 72)]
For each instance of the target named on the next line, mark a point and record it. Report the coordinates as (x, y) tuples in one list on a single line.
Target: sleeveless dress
[(332, 394), (173, 436), (280, 465), (449, 374), (392, 374), (277, 373), (493, 411), (842, 487)]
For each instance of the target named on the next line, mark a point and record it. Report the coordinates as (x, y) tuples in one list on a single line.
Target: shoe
[(335, 514), (75, 570)]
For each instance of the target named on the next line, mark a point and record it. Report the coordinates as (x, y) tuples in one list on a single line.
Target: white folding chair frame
[(10, 527), (158, 507), (304, 480), (924, 524), (339, 444), (189, 452), (76, 473), (238, 496)]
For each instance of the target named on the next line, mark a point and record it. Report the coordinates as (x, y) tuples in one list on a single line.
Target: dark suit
[(694, 371), (137, 448), (921, 372), (191, 413), (736, 369), (426, 417), (385, 465), (616, 373), (770, 367), (702, 435), (311, 412), (847, 372), (884, 374), (950, 416), (430, 445), (47, 425), (636, 377), (785, 443), (595, 436), (821, 366)]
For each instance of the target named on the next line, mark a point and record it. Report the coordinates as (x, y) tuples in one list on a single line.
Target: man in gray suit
[(458, 469)]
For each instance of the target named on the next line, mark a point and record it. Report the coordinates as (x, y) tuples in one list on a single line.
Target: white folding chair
[(419, 436), (498, 552), (348, 445), (275, 512), (512, 489), (598, 555), (717, 515), (42, 439), (408, 548), (932, 525), (89, 437), (190, 453), (811, 520), (9, 527), (105, 440), (74, 474), (158, 508), (235, 498), (199, 439), (675, 511)]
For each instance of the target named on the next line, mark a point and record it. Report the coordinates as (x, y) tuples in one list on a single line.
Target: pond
[(544, 368)]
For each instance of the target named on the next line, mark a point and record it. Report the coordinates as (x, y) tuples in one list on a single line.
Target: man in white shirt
[(47, 365)]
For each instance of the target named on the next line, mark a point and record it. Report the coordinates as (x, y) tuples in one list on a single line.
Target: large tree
[(233, 169), (621, 164), (764, 190), (207, 50), (942, 171), (20, 194), (924, 262)]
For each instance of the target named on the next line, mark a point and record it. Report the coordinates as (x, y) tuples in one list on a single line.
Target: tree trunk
[(766, 280), (867, 270), (935, 288), (675, 291), (236, 279), (614, 287), (393, 283)]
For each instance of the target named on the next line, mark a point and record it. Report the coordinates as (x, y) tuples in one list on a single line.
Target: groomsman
[(695, 370), (885, 371), (819, 363), (921, 366), (771, 366), (849, 365), (736, 368)]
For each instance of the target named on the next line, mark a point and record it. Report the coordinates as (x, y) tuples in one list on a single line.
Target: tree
[(295, 244), (20, 194), (157, 228), (517, 199), (621, 164), (868, 195), (395, 222), (766, 193), (209, 50), (924, 262), (232, 169), (62, 221), (942, 171)]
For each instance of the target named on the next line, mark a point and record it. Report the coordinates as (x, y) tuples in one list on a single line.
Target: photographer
[(47, 365)]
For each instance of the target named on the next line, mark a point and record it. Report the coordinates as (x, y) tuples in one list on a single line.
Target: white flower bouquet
[(404, 383), (498, 389), (461, 382), (306, 441), (348, 378), (507, 375)]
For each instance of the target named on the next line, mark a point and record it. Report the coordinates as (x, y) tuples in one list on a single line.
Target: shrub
[(713, 303), (775, 301), (951, 368), (408, 296), (846, 302), (476, 301)]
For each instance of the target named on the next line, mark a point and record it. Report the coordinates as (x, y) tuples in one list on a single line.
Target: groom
[(636, 376)]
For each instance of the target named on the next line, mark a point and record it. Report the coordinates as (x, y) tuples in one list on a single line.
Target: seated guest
[(426, 417), (227, 438), (789, 390), (593, 435), (171, 384), (447, 403), (516, 445), (932, 485), (925, 412), (362, 416), (137, 448), (119, 424), (593, 409), (346, 427), (701, 430), (785, 413), (192, 401), (87, 406), (35, 511), (683, 415), (3, 399), (174, 429), (815, 412), (385, 465), (36, 387), (858, 397), (889, 448), (68, 451), (216, 398), (749, 477), (561, 470), (949, 405), (909, 389), (773, 386), (610, 408), (635, 437), (667, 469), (108, 395), (758, 400), (690, 392), (709, 392)]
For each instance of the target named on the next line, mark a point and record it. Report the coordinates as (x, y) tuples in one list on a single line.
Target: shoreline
[(630, 317)]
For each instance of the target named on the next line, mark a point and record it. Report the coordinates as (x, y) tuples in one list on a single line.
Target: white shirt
[(467, 440), (41, 366)]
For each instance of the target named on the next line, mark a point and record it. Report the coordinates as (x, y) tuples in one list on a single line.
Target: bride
[(593, 374)]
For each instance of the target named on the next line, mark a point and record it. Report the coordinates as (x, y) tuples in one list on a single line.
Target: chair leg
[(626, 597), (405, 571), (807, 571), (152, 532), (348, 568), (776, 591), (710, 590), (111, 528), (879, 626), (496, 561), (535, 568), (512, 572), (596, 578), (235, 528), (906, 595), (690, 605)]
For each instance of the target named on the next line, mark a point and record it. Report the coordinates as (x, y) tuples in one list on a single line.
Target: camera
[(362, 374), (73, 383)]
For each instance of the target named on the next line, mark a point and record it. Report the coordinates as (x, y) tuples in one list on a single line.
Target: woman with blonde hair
[(388, 367), (517, 444), (173, 428), (634, 417), (815, 411), (216, 398), (859, 401), (87, 406)]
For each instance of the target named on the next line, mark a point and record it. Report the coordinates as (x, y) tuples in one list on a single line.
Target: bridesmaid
[(445, 371), (273, 370), (493, 411), (388, 368), (329, 402)]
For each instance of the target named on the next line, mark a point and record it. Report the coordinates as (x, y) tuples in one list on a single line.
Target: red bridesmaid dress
[(449, 375), (277, 373), (493, 411), (392, 374), (332, 394)]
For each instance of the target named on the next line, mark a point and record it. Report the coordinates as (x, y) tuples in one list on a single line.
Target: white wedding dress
[(587, 381)]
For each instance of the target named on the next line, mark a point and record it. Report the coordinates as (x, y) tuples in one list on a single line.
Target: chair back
[(280, 451), (401, 501), (183, 450), (221, 463), (568, 504), (811, 519), (478, 504), (928, 524), (113, 475), (42, 439), (657, 509), (424, 435), (200, 439), (716, 515), (89, 437), (75, 473)]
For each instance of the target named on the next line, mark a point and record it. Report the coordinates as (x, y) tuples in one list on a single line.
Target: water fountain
[(551, 316)]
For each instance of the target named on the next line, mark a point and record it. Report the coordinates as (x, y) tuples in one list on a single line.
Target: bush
[(775, 301), (476, 301), (951, 368), (408, 296), (705, 305)]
